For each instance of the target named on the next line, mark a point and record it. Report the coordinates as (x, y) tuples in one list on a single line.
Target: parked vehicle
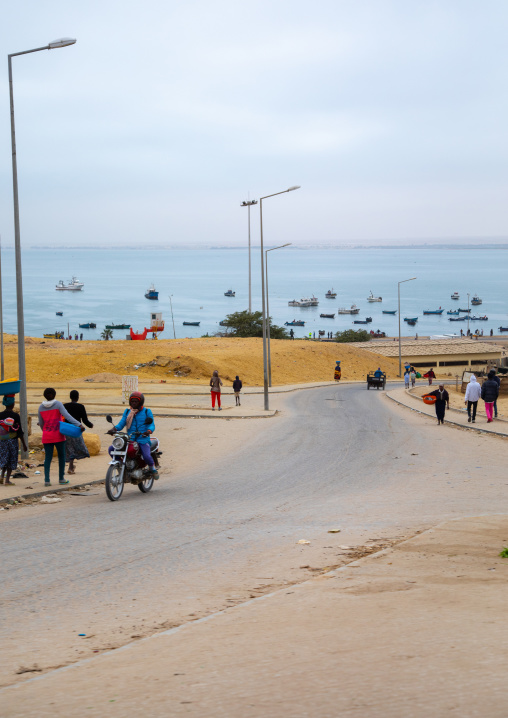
[(376, 381), (127, 464)]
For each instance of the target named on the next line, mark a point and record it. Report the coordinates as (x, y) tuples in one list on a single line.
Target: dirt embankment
[(192, 360)]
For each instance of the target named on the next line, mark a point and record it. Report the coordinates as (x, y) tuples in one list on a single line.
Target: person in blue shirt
[(139, 424), (378, 373)]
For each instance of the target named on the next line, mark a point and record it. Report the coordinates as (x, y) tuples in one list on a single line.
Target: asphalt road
[(209, 538)]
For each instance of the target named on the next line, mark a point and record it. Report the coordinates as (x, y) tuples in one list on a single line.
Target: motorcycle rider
[(139, 424)]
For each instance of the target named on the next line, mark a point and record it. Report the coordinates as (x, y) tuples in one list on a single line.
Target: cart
[(375, 381)]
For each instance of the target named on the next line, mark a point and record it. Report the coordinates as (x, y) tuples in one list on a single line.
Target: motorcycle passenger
[(139, 424)]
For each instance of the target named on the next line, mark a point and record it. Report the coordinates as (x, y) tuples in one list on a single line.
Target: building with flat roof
[(460, 352)]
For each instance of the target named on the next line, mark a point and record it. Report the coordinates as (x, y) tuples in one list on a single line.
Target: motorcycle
[(127, 464)]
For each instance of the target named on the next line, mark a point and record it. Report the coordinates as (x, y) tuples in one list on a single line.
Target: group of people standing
[(215, 390), (488, 391)]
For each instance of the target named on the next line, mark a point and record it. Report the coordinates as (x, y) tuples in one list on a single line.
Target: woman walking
[(215, 385), (490, 392), (75, 447), (442, 402), (10, 432), (51, 413), (430, 375)]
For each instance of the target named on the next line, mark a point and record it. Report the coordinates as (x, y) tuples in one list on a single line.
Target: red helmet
[(137, 395)]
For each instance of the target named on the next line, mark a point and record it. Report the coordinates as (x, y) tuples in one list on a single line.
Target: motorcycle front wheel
[(146, 485), (114, 482)]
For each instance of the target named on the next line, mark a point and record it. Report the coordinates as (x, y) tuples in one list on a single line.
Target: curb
[(55, 489), (447, 421)]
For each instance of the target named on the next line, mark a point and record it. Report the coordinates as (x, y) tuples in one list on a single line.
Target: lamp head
[(63, 42), (297, 186)]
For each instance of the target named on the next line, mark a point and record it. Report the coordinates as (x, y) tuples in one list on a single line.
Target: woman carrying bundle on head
[(10, 432)]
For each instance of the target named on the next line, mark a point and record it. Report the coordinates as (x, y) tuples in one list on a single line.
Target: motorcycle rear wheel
[(146, 485), (114, 483)]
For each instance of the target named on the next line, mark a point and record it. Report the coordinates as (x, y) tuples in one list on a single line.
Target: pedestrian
[(407, 367), (291, 333), (442, 402), (10, 431), (75, 447), (491, 332), (51, 412), (473, 393), (406, 380), (237, 387), (490, 392), (413, 377), (81, 337), (430, 375), (493, 371), (215, 385)]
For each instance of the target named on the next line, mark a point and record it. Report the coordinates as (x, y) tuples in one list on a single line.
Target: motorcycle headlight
[(118, 442)]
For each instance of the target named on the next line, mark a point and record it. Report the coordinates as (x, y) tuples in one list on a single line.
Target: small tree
[(250, 324), (352, 335), (107, 334)]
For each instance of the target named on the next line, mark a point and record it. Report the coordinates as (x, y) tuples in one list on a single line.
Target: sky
[(164, 116)]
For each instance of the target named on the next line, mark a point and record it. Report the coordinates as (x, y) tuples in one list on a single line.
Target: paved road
[(338, 456)]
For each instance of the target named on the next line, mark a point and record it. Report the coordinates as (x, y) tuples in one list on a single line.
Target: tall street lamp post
[(400, 347), (248, 204), (268, 310), (468, 312), (172, 317), (1, 319), (17, 243), (265, 355)]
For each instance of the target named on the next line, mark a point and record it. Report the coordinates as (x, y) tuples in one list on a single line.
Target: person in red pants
[(215, 385)]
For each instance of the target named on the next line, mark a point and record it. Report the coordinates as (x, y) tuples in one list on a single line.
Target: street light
[(468, 313), (265, 364), (248, 204), (268, 309), (63, 42), (172, 317), (400, 350)]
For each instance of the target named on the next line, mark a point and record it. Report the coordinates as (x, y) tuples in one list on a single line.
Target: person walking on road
[(490, 392), (10, 432), (442, 402), (237, 387), (430, 375), (406, 380), (75, 447), (51, 412), (473, 393), (413, 377), (215, 385)]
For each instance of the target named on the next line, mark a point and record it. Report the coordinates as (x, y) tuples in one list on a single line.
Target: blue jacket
[(139, 423)]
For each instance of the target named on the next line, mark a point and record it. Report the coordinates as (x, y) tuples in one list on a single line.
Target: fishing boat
[(389, 312), (327, 316), (466, 311), (191, 324), (118, 326), (503, 329), (455, 295), (152, 293), (294, 303), (372, 298), (433, 311), (457, 319), (352, 310), (367, 320), (478, 319), (452, 313), (59, 314), (412, 322), (330, 294), (410, 319), (314, 301), (295, 323), (475, 301), (229, 293), (88, 325), (305, 302), (73, 286)]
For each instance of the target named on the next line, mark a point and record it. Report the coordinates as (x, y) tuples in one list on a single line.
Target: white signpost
[(129, 384)]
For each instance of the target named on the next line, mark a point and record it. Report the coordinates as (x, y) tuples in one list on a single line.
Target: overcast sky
[(390, 114)]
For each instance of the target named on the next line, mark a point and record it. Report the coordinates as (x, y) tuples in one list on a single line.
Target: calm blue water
[(115, 283)]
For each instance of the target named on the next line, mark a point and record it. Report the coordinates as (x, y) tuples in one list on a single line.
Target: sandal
[(64, 482)]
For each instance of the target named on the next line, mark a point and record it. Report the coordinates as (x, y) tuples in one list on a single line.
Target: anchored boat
[(229, 293), (331, 294), (73, 286), (372, 298), (353, 310), (152, 293), (433, 311)]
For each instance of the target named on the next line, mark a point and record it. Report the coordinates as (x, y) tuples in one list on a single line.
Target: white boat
[(331, 294), (353, 310), (372, 298), (314, 301), (73, 286), (294, 303), (455, 295), (305, 302), (476, 300)]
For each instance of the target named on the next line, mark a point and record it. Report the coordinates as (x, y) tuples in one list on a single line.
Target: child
[(406, 380), (10, 432)]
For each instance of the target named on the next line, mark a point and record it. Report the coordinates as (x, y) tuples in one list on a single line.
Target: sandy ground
[(293, 362), (402, 633)]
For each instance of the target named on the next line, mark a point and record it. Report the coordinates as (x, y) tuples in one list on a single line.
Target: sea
[(115, 282)]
